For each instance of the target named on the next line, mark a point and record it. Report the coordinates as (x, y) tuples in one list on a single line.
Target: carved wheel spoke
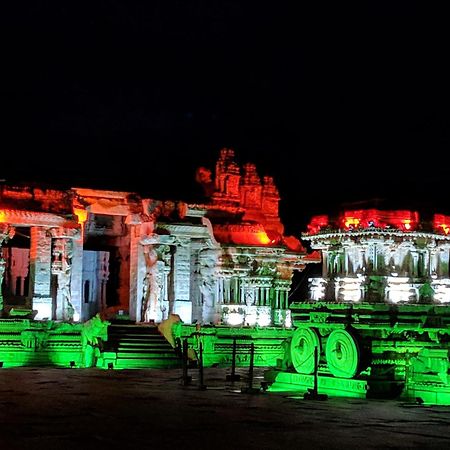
[(304, 341), (342, 354)]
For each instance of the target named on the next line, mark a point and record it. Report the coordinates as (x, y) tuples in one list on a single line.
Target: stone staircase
[(137, 347)]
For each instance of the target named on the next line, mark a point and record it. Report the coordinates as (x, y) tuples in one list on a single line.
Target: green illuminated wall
[(217, 341), (25, 342)]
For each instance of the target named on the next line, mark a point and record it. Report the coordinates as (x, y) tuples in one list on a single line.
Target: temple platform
[(300, 383)]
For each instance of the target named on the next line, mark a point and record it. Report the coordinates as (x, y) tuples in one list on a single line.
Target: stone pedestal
[(44, 307)]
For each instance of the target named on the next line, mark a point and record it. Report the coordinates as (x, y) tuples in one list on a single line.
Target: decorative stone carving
[(151, 286), (62, 253), (208, 263), (394, 263)]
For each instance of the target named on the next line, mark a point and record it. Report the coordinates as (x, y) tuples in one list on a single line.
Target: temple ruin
[(67, 255)]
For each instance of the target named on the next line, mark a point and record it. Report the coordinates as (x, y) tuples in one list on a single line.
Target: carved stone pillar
[(103, 277), (76, 282), (2, 272), (182, 280), (67, 266), (325, 262), (432, 260), (40, 272), (62, 268), (210, 285), (151, 285), (135, 299)]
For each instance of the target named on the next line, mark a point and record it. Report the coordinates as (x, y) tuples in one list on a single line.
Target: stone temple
[(114, 280), (67, 255)]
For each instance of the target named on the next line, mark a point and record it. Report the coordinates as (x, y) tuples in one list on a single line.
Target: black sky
[(333, 100)]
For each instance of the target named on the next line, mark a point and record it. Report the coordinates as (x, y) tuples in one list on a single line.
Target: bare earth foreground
[(150, 409)]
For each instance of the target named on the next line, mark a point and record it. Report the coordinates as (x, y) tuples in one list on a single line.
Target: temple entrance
[(101, 281), (96, 271)]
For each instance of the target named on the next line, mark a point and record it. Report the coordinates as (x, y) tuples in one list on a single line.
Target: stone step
[(136, 347), (150, 349), (146, 364), (128, 337), (145, 355), (132, 329)]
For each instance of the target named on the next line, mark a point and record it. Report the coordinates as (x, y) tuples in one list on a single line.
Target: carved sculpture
[(93, 334), (94, 331), (62, 267), (151, 287), (64, 287), (208, 261)]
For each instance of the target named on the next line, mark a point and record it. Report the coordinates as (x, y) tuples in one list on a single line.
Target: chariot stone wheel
[(303, 343), (342, 354)]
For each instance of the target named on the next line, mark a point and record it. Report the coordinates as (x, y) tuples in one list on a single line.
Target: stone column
[(433, 261), (76, 280), (103, 276), (2, 272), (63, 276), (135, 302), (151, 288), (325, 263), (182, 280), (67, 266), (242, 294), (236, 296), (40, 272)]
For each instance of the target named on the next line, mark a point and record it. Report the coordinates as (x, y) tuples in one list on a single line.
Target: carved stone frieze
[(33, 218)]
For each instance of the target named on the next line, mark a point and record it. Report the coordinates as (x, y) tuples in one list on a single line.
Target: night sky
[(344, 104)]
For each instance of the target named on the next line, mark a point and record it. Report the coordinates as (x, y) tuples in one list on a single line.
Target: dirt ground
[(46, 409)]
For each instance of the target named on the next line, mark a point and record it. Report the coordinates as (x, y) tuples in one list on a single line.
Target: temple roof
[(375, 221)]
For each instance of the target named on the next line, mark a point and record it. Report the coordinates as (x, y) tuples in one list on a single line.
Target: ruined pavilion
[(67, 255)]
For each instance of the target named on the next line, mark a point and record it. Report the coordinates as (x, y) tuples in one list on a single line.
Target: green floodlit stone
[(342, 354), (398, 350), (304, 341), (300, 383), (217, 341), (24, 342)]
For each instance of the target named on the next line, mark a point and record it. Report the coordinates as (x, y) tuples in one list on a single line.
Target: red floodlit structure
[(441, 223), (401, 219), (370, 218), (317, 223)]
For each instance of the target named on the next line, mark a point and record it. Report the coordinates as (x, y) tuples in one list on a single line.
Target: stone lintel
[(31, 218)]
